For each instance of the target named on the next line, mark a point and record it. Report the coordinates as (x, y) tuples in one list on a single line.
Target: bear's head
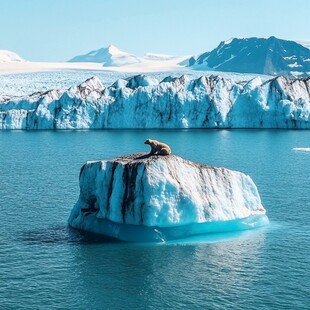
[(148, 141)]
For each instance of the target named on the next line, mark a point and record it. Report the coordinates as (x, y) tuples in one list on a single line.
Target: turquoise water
[(45, 265)]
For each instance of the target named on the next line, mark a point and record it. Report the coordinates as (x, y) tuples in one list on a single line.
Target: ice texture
[(154, 198), (175, 102)]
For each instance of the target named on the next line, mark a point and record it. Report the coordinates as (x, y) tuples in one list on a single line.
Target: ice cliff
[(156, 198), (144, 102)]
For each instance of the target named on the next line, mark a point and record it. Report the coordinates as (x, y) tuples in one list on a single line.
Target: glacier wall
[(163, 195), (144, 102)]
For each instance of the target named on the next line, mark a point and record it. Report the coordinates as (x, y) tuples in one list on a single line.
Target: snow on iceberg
[(157, 198), (144, 102)]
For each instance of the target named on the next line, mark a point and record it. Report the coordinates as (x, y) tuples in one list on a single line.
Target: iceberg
[(301, 149), (175, 102), (143, 198)]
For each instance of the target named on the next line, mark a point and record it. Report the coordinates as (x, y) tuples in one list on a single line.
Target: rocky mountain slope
[(270, 56)]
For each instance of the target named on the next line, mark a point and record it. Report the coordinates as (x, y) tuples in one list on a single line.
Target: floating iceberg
[(157, 198), (301, 149), (144, 102)]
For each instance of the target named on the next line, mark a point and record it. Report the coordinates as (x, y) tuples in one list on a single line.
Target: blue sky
[(45, 30)]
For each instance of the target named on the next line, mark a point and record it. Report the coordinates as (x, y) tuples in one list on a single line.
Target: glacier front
[(144, 102), (157, 198)]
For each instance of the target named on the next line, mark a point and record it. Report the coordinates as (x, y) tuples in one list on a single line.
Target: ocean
[(46, 265)]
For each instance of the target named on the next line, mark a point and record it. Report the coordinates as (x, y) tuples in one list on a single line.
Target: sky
[(57, 30)]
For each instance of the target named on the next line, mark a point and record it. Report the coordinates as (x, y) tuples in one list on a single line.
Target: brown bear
[(158, 148)]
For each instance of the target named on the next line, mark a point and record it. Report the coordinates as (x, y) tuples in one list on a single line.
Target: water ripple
[(63, 235)]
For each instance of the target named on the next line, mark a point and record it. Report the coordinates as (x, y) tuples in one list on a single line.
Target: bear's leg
[(164, 151), (152, 152)]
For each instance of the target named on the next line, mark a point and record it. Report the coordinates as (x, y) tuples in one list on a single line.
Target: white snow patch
[(296, 73), (290, 57), (294, 65), (231, 39), (162, 57), (230, 58), (256, 82), (9, 57)]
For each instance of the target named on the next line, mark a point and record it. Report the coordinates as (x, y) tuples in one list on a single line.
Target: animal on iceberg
[(152, 198), (158, 148)]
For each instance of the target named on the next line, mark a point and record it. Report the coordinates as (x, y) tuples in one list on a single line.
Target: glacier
[(175, 102), (143, 198)]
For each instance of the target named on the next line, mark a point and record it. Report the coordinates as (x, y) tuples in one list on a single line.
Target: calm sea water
[(45, 265)]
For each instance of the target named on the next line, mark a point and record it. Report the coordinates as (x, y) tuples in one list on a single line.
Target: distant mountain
[(304, 43), (159, 57), (8, 56), (270, 56), (109, 56)]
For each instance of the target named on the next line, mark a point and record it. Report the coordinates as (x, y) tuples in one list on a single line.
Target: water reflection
[(167, 275), (63, 235)]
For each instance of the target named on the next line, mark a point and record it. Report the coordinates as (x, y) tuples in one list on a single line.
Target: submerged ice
[(144, 102), (157, 198)]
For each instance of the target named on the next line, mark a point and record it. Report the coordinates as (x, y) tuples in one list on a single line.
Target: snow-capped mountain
[(8, 56), (113, 57), (109, 56), (270, 56), (144, 102)]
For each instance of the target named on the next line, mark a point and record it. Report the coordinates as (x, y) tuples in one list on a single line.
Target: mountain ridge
[(112, 56), (271, 56), (108, 56)]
